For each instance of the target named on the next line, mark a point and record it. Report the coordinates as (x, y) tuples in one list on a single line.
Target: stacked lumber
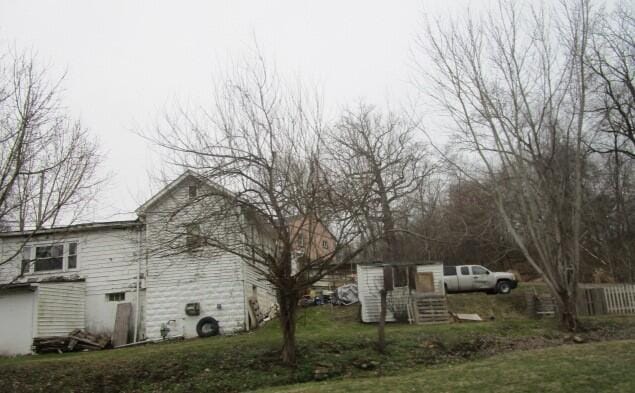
[(77, 340)]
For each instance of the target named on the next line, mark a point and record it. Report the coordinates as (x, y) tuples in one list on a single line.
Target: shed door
[(425, 282)]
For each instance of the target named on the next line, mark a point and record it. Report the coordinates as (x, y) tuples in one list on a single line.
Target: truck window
[(478, 270), (465, 270), (449, 270)]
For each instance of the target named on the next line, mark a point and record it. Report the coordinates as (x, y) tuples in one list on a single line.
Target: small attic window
[(192, 190)]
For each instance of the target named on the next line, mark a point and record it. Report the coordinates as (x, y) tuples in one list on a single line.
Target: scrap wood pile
[(77, 340)]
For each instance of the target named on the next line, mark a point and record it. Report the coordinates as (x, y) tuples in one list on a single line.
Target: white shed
[(407, 278)]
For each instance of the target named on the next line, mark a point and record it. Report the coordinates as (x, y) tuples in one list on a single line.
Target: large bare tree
[(383, 165), (260, 142), (611, 61), (48, 162), (514, 82), (379, 156)]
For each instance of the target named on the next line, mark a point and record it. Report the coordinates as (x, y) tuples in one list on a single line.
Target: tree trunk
[(567, 312), (288, 307), (381, 329)]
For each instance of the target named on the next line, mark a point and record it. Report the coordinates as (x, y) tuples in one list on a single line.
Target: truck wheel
[(207, 327), (503, 287)]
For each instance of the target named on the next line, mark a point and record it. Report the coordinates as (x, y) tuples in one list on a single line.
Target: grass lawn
[(332, 345), (596, 367)]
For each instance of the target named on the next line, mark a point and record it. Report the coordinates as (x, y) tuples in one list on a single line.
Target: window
[(49, 258), (193, 238), (300, 240), (116, 297), (325, 244), (25, 267), (465, 271), (449, 270), (479, 270), (400, 276), (72, 256), (192, 191)]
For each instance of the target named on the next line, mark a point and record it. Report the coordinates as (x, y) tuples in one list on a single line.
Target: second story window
[(72, 256), (193, 238), (49, 257), (325, 244), (26, 260), (300, 240)]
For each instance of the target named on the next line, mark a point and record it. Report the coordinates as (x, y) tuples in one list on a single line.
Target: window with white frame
[(49, 257), (325, 244), (26, 260)]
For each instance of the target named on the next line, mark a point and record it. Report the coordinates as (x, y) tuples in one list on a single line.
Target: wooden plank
[(122, 324), (425, 282)]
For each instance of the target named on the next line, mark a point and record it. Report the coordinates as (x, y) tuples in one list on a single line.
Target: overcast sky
[(127, 61)]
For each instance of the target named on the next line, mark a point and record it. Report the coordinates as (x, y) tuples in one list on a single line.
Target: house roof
[(141, 210), (91, 226)]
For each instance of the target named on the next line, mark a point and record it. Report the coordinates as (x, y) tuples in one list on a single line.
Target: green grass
[(597, 367), (330, 340)]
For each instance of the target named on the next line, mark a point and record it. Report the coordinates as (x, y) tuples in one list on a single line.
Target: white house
[(75, 276)]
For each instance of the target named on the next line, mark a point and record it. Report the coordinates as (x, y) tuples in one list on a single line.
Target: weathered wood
[(430, 308), (122, 324), (425, 282), (255, 315)]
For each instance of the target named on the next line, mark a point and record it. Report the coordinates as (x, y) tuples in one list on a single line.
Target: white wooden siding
[(107, 260), (60, 308), (370, 280), (207, 276)]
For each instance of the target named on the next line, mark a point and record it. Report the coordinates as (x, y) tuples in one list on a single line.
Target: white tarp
[(347, 294)]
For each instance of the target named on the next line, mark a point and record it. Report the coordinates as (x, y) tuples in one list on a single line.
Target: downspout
[(243, 272), (136, 316)]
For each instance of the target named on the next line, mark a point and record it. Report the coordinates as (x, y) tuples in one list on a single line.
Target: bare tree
[(384, 166), (48, 162), (259, 143), (515, 84), (611, 59), (379, 157)]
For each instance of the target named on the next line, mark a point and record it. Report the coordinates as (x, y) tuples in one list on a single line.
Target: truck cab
[(476, 278)]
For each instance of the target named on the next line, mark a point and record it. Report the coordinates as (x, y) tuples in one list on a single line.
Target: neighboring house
[(312, 240), (75, 276)]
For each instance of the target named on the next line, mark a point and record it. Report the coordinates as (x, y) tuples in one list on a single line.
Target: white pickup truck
[(476, 278)]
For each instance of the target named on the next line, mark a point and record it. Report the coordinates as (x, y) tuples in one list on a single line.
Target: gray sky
[(127, 61)]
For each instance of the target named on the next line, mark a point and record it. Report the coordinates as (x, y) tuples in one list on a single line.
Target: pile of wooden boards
[(77, 340)]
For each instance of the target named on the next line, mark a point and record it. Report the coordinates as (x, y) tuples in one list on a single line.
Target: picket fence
[(617, 298)]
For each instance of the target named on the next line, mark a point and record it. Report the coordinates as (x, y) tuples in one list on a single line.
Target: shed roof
[(399, 263)]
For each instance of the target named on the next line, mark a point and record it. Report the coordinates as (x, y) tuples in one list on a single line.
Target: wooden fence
[(597, 299)]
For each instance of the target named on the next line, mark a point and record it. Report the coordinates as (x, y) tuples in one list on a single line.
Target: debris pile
[(77, 340)]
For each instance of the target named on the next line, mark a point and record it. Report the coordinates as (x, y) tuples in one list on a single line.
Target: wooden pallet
[(430, 308)]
